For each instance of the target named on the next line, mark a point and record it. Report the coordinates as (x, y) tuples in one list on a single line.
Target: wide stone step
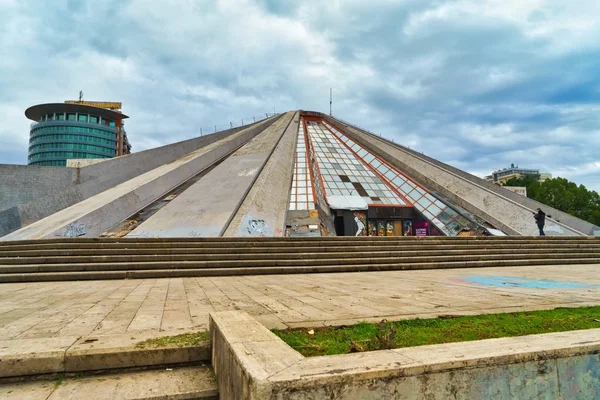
[(132, 250), (287, 242), (187, 382), (298, 239), (101, 352), (300, 255), (275, 262), (274, 270)]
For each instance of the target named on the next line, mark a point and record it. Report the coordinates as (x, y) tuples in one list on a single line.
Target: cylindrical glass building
[(64, 131)]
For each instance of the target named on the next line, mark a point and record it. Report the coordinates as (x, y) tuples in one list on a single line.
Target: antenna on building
[(330, 100), (80, 95)]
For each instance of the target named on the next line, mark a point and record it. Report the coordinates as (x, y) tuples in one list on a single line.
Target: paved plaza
[(68, 309)]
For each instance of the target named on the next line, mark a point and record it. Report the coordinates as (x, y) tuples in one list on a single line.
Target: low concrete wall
[(245, 354), (93, 179), (252, 363), (471, 184)]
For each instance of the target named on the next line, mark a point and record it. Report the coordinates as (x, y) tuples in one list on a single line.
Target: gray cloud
[(477, 84)]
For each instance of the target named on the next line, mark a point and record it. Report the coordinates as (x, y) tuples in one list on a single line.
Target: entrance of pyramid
[(381, 221)]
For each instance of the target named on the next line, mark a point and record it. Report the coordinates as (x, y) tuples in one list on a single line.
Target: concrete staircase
[(80, 259)]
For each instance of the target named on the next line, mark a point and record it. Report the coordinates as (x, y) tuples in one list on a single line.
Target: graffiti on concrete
[(248, 172), (360, 219), (521, 281), (74, 230), (255, 227)]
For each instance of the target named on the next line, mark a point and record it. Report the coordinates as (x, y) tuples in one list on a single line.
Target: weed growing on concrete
[(183, 340), (60, 380), (417, 332)]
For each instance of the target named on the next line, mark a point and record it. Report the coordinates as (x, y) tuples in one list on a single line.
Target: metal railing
[(235, 124)]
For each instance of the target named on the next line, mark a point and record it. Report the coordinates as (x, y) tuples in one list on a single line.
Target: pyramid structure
[(298, 173)]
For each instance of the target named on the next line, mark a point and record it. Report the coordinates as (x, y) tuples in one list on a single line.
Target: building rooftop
[(36, 112)]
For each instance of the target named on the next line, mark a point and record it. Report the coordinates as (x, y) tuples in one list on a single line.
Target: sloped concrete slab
[(95, 215), (264, 210), (206, 208)]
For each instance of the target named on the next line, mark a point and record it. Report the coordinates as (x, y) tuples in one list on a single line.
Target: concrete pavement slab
[(196, 382), (56, 309), (33, 356), (125, 350)]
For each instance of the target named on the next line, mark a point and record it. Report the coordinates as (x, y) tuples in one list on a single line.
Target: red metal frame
[(377, 157), (308, 166), (398, 171), (389, 184)]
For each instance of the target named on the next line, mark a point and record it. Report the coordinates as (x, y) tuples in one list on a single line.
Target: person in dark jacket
[(540, 220)]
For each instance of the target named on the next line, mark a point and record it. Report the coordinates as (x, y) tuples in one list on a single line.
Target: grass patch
[(418, 332), (183, 340)]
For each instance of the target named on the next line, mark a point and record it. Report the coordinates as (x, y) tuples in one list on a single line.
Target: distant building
[(545, 176), (500, 176), (76, 130)]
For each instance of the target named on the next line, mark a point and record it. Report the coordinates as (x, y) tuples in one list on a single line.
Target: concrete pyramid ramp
[(207, 207), (96, 215), (264, 210), (301, 173)]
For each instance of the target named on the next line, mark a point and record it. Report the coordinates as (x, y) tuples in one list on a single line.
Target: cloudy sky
[(477, 84)]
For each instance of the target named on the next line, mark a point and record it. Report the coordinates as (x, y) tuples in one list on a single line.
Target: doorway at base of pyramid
[(382, 221)]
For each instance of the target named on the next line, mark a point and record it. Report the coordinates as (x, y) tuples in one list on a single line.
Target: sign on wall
[(522, 190), (111, 105), (421, 228)]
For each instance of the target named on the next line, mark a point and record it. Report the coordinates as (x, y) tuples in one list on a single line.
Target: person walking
[(540, 220)]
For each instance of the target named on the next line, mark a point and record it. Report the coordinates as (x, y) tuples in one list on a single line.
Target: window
[(71, 117), (82, 117), (93, 119)]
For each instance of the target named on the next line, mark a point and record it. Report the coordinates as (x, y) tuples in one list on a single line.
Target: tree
[(563, 195)]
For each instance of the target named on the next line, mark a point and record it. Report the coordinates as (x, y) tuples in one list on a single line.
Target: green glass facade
[(61, 136)]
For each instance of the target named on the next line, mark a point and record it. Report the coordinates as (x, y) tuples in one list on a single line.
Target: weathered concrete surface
[(139, 258), (53, 194), (125, 350), (245, 354), (22, 357), (173, 383), (97, 214), (263, 212), (494, 204), (206, 207), (567, 219), (165, 306), (33, 356), (21, 184), (256, 366)]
